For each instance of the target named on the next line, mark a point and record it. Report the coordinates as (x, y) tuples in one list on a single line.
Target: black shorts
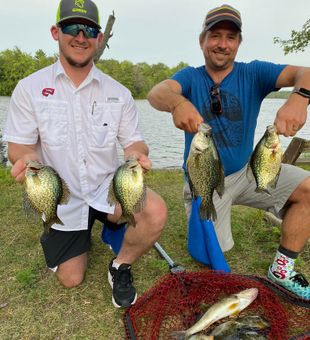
[(60, 246)]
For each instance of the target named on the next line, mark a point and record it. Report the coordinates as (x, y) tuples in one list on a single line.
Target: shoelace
[(300, 279), (123, 276)]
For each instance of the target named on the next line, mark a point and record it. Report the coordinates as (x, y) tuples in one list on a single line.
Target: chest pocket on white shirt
[(53, 122), (104, 122)]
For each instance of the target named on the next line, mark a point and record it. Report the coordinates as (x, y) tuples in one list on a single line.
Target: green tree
[(298, 42), (14, 65)]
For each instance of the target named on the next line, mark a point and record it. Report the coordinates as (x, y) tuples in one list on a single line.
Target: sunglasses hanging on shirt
[(216, 103)]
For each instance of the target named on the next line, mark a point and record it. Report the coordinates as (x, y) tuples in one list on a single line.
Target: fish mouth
[(250, 293)]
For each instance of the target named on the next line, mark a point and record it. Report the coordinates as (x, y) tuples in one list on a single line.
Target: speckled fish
[(229, 306), (265, 161), (44, 189), (205, 171), (247, 327), (127, 188)]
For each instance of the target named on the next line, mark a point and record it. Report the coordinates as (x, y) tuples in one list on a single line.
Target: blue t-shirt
[(242, 92)]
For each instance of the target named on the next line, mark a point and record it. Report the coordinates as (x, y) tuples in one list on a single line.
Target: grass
[(33, 305)]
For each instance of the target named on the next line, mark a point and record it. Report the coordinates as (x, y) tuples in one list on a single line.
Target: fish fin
[(262, 191), (65, 193), (29, 209), (249, 172), (141, 203), (221, 185), (111, 195), (192, 189), (178, 335), (274, 182), (131, 220)]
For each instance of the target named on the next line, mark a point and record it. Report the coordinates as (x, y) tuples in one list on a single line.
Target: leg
[(71, 272), (296, 221), (150, 223), (66, 253), (137, 240)]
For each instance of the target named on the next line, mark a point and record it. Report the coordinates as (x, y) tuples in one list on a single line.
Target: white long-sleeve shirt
[(76, 130)]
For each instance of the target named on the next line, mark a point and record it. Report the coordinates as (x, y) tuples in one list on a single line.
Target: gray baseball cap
[(78, 9)]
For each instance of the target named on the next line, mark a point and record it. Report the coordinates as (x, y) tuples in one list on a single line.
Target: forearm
[(166, 96), (21, 151)]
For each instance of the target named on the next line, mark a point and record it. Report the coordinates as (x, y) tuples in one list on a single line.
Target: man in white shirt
[(70, 116)]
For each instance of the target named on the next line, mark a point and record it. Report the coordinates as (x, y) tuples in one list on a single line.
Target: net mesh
[(177, 301)]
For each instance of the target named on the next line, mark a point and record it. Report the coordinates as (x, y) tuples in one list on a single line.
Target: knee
[(303, 191), (70, 281), (159, 214)]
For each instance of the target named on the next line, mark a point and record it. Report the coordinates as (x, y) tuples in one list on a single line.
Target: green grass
[(33, 305)]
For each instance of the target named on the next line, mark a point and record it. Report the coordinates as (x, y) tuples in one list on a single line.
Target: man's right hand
[(186, 117)]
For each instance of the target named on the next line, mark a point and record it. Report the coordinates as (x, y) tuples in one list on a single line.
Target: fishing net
[(177, 301)]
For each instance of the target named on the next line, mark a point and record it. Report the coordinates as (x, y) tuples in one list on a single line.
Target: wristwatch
[(302, 92)]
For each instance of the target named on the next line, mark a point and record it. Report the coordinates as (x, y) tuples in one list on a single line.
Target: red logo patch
[(47, 91)]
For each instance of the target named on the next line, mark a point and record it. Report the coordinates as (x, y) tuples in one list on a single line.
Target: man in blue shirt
[(227, 95)]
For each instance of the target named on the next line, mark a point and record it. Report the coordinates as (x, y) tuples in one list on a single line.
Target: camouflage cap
[(78, 9)]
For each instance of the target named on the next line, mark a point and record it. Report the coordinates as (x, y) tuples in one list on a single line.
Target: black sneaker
[(123, 292)]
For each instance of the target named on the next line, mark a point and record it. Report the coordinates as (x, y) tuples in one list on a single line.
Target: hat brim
[(223, 18), (83, 20)]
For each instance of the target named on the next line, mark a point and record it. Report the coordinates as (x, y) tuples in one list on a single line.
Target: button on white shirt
[(77, 131)]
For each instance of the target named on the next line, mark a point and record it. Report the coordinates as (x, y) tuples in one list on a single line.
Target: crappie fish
[(43, 191), (265, 161), (127, 188), (205, 171), (247, 327), (228, 306)]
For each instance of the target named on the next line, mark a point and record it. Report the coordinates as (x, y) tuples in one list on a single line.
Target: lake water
[(166, 142)]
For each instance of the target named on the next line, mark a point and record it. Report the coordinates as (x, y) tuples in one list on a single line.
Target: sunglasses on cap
[(74, 30), (216, 103)]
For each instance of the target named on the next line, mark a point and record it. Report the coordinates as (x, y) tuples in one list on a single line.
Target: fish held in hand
[(44, 189), (229, 306), (265, 162), (127, 188), (205, 171)]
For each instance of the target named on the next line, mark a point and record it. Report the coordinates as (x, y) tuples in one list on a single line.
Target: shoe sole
[(113, 301)]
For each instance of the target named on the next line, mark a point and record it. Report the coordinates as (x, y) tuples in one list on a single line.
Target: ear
[(100, 39), (55, 32)]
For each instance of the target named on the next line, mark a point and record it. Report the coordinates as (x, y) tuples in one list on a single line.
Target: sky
[(161, 31)]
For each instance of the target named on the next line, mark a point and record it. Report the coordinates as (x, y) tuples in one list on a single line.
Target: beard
[(71, 61), (78, 64)]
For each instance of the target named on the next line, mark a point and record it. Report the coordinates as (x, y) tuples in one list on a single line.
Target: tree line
[(138, 78)]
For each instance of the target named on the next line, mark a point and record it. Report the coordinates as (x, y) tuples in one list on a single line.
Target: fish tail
[(207, 211), (178, 335), (132, 221), (262, 191)]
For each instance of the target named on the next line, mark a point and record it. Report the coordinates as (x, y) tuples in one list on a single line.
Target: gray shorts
[(239, 190)]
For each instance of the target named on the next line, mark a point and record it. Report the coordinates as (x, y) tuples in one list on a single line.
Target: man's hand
[(186, 117), (292, 116), (19, 168)]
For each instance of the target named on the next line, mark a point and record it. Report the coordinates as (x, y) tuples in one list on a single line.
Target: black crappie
[(244, 328), (205, 171), (43, 191), (265, 161), (127, 188)]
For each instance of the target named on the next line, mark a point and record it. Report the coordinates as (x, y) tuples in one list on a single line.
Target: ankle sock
[(283, 264), (115, 264)]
